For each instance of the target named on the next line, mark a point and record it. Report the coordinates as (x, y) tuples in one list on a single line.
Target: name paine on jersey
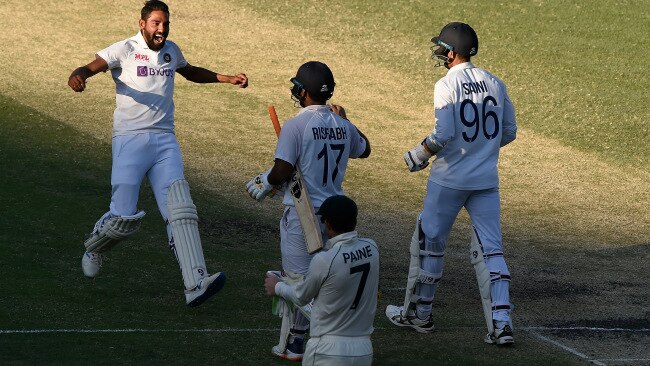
[(357, 255), (329, 133)]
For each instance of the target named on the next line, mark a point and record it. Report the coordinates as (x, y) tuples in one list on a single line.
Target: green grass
[(575, 72), (55, 187)]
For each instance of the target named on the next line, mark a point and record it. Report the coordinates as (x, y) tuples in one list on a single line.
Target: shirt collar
[(140, 39), (463, 66), (342, 239), (315, 107)]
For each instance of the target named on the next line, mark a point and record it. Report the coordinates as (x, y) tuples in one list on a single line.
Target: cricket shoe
[(394, 314), (207, 287), (91, 263), (293, 352), (500, 336)]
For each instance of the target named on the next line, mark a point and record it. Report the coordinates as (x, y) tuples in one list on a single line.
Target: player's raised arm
[(77, 80), (338, 109), (201, 75)]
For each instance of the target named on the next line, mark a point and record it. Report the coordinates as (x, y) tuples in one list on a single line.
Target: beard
[(155, 40)]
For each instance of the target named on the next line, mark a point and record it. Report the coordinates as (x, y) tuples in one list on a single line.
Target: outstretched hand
[(77, 83), (239, 79)]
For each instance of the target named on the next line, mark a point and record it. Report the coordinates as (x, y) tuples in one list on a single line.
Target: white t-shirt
[(343, 283), (320, 142), (474, 117), (144, 81)]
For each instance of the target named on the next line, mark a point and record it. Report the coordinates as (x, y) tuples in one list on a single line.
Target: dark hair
[(152, 5), (341, 224)]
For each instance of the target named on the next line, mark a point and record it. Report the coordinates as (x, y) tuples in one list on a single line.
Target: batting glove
[(417, 158), (259, 187)]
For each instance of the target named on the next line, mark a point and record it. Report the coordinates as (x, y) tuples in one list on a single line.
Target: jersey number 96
[(477, 122)]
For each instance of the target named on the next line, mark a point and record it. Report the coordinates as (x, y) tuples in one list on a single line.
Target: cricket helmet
[(458, 37), (316, 78)]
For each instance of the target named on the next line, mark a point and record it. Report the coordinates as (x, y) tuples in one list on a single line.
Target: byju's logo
[(150, 71)]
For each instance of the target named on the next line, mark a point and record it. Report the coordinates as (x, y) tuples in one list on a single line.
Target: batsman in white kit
[(474, 118), (144, 144), (343, 283), (317, 143)]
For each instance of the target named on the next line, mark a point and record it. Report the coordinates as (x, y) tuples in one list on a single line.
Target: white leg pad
[(285, 312), (477, 258), (416, 274), (108, 232), (184, 223)]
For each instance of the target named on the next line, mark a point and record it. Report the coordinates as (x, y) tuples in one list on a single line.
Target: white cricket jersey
[(144, 81), (320, 142), (474, 117), (343, 282)]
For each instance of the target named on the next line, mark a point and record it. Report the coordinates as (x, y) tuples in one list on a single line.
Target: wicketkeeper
[(343, 284)]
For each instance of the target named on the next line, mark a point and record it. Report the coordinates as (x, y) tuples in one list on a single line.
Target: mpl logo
[(141, 57), (143, 71)]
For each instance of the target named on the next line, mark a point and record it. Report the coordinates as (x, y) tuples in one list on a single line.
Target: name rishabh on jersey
[(474, 117), (144, 82), (320, 142)]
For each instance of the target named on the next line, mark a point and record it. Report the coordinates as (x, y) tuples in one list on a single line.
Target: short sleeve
[(288, 148), (444, 114), (114, 54), (357, 143), (182, 62)]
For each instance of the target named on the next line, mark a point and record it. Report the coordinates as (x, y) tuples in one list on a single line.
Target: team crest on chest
[(167, 57)]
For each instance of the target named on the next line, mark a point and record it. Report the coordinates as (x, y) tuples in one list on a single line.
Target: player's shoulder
[(325, 258), (487, 74), (173, 45), (293, 122)]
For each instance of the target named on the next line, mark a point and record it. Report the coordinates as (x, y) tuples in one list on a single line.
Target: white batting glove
[(259, 187), (417, 158)]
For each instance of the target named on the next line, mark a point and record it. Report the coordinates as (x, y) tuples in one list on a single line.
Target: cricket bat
[(302, 201)]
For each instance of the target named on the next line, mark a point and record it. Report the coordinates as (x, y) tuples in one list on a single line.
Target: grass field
[(575, 184)]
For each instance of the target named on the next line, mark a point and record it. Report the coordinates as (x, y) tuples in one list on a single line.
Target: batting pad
[(416, 274), (184, 223), (477, 258), (112, 232)]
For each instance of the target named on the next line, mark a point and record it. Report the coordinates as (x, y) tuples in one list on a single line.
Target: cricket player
[(474, 118), (144, 144), (343, 283), (320, 141)]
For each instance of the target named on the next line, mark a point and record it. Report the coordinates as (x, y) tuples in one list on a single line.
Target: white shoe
[(501, 336), (207, 287), (394, 314), (293, 352), (91, 263)]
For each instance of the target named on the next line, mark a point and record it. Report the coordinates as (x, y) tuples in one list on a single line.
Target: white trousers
[(331, 350), (441, 207), (295, 257), (154, 155)]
